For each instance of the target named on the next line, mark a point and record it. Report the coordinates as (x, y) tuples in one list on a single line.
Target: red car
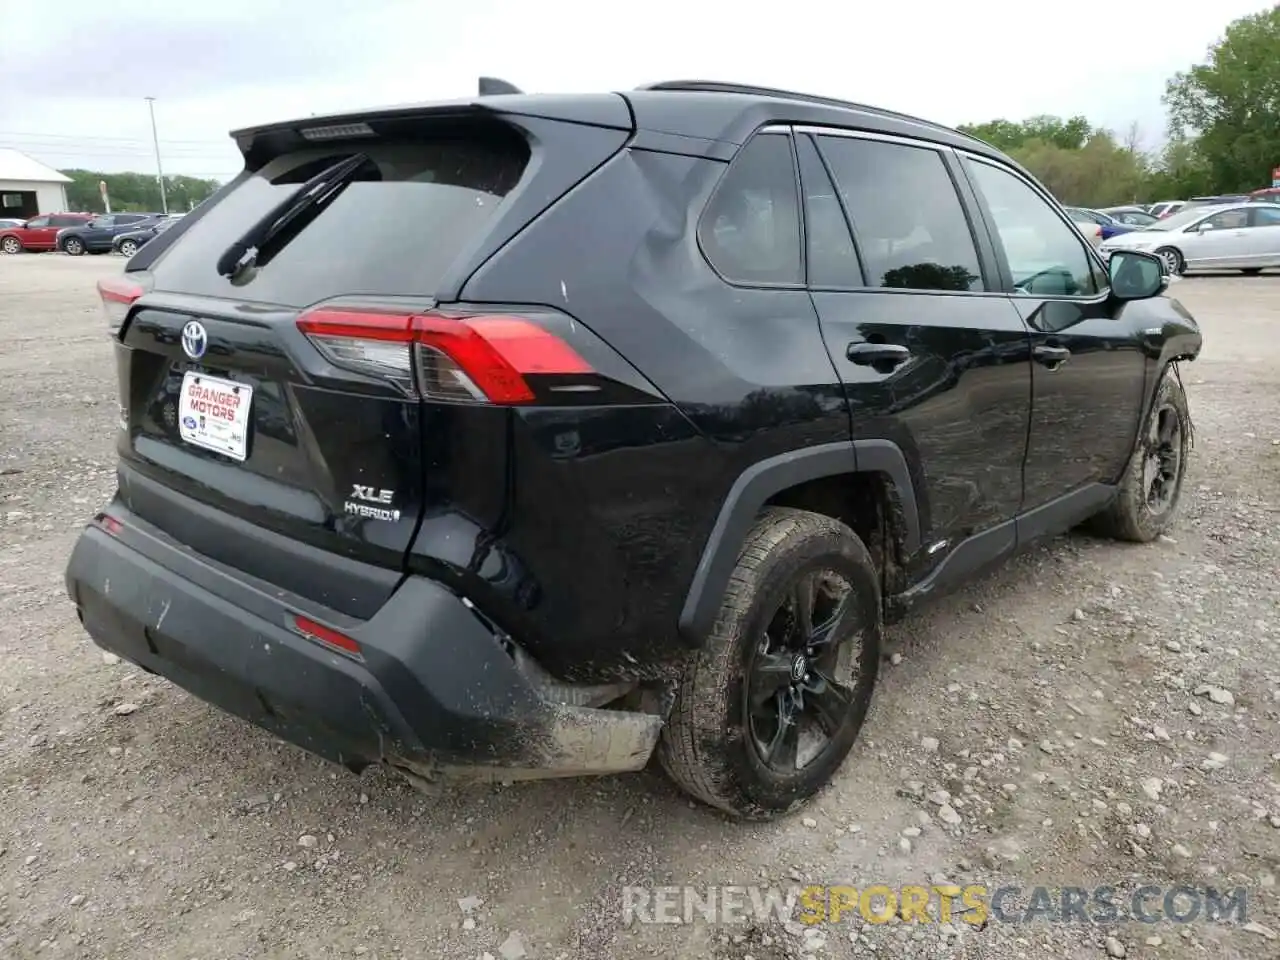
[(39, 233)]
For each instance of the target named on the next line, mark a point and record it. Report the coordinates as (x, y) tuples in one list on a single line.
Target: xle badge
[(361, 499)]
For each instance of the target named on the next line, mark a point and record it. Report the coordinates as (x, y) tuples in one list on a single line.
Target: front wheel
[(73, 246), (768, 710), (1174, 265), (11, 245), (128, 248), (1151, 488)]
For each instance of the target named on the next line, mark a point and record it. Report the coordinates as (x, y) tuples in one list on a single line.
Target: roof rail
[(493, 87), (717, 86)]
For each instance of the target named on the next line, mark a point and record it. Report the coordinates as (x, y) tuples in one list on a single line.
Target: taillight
[(471, 359), (118, 295)]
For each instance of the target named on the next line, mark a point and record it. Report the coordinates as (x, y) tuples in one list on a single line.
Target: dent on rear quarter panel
[(619, 254)]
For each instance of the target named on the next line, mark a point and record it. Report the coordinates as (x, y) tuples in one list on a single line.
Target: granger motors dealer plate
[(214, 413)]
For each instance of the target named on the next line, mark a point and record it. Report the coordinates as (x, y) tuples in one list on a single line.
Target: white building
[(28, 187)]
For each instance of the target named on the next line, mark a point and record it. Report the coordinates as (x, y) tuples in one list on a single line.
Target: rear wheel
[(11, 245), (1147, 501), (73, 246), (128, 248), (768, 710), (1173, 263)]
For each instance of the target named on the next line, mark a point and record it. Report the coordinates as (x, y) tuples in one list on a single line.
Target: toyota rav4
[(532, 436)]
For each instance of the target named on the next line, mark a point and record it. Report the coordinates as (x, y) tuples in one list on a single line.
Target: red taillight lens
[(473, 359), (118, 295), (326, 635)]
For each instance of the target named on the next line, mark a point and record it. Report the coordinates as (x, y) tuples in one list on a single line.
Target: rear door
[(932, 355), (1264, 243), (1221, 241), (287, 396)]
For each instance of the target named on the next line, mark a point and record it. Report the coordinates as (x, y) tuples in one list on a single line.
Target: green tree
[(1231, 104), (135, 191), (1006, 135)]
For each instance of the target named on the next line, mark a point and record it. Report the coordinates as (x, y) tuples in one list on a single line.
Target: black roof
[(705, 110)]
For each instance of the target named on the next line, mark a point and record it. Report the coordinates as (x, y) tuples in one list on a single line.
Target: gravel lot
[(1099, 714)]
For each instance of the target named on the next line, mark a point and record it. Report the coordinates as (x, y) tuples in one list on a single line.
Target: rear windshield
[(395, 230)]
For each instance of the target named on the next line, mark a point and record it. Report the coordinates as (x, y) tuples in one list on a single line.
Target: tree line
[(134, 192), (1223, 136)]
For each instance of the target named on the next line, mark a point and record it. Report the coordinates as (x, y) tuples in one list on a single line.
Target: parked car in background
[(39, 233), (1134, 216), (129, 242), (1091, 229), (1239, 236), (1166, 208), (1266, 195), (96, 235), (1108, 225), (6, 224), (1216, 201)]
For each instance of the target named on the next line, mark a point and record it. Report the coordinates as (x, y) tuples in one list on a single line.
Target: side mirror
[(1135, 275)]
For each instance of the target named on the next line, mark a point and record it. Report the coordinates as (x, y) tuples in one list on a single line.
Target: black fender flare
[(763, 480)]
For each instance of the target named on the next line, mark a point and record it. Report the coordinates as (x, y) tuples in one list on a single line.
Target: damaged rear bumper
[(432, 690)]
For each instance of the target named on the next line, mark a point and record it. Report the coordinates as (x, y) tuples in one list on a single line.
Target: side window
[(909, 225), (1045, 256), (1266, 217), (56, 221), (832, 259), (38, 222), (750, 230), (1229, 219)]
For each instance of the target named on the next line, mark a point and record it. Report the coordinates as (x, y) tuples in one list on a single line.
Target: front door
[(1089, 370), (1219, 242), (931, 355)]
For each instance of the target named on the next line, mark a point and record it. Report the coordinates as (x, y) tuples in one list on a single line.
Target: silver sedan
[(1234, 236)]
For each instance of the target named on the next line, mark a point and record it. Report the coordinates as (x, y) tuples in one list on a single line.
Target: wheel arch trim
[(767, 478)]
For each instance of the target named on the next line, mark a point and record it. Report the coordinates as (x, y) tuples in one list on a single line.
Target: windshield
[(1179, 220)]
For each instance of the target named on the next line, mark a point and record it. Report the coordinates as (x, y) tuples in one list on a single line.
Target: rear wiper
[(320, 189)]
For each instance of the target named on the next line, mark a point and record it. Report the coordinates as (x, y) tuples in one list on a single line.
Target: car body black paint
[(595, 528)]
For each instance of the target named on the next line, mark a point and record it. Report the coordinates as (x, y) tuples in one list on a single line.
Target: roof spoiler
[(493, 87)]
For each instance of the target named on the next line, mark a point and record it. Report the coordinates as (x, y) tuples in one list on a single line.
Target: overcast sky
[(73, 73)]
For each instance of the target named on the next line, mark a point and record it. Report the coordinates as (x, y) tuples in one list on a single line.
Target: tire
[(1135, 515), (10, 245), (1251, 271), (712, 745), (128, 248), (1173, 262), (73, 247)]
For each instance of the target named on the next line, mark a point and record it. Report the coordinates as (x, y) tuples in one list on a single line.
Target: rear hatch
[(293, 402)]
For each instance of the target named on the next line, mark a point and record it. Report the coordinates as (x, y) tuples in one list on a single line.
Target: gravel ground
[(1092, 714)]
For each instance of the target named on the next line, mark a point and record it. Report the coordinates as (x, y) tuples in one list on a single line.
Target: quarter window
[(1045, 256), (833, 261), (909, 225), (751, 229)]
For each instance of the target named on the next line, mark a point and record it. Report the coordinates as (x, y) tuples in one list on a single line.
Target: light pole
[(151, 106)]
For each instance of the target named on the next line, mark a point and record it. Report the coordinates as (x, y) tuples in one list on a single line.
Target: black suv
[(97, 235), (530, 436)]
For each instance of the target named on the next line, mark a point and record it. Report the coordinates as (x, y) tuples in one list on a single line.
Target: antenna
[(492, 87)]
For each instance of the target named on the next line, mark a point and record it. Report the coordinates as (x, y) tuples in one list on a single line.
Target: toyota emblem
[(194, 340)]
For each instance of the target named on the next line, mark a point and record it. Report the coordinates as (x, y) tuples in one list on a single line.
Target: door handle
[(871, 354), (1051, 357)]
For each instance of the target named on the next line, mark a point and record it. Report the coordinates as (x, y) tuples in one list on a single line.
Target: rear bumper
[(433, 691)]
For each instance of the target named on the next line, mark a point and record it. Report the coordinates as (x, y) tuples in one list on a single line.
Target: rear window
[(394, 230)]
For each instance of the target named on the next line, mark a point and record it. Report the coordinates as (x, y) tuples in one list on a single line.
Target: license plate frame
[(214, 414)]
